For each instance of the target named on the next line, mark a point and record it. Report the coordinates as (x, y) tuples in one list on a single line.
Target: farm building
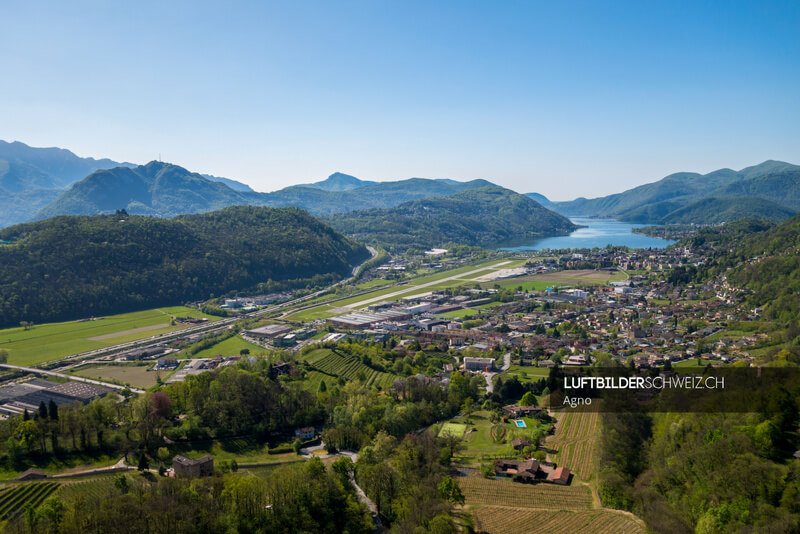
[(193, 468), (532, 471), (521, 411)]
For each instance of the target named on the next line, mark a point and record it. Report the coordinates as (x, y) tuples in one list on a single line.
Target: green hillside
[(71, 267), (720, 210), (475, 217), (653, 203)]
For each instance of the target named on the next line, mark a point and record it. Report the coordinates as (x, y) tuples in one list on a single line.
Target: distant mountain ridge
[(776, 182), (167, 190), (32, 177), (476, 217)]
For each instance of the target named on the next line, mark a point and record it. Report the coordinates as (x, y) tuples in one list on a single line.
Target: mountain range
[(32, 177), (686, 197), (37, 183), (167, 190)]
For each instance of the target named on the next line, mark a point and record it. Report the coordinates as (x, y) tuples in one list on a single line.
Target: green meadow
[(52, 341)]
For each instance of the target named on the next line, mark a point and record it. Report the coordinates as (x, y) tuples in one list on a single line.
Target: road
[(489, 376), (70, 377)]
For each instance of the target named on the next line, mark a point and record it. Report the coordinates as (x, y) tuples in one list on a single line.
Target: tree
[(244, 352), (442, 524), (466, 407), (322, 387), (42, 410), (163, 454), (297, 445), (121, 483), (3, 356), (144, 465), (529, 399), (449, 489), (52, 410)]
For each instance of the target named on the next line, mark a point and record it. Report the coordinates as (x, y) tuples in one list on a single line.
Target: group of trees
[(307, 498), (705, 472)]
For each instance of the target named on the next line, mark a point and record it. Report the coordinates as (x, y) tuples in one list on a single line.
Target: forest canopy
[(78, 266)]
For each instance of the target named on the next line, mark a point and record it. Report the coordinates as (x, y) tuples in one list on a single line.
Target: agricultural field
[(349, 367), (52, 341), (134, 375), (575, 441), (504, 520), (504, 492), (15, 499), (94, 487)]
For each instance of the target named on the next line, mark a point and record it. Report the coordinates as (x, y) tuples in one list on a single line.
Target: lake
[(598, 233)]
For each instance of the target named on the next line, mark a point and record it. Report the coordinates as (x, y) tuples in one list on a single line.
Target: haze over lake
[(597, 233)]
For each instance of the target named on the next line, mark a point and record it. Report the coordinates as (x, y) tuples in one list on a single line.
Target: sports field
[(453, 429), (52, 341)]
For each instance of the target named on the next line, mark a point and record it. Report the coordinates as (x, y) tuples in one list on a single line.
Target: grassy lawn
[(133, 375), (465, 312), (525, 283), (526, 373), (317, 312), (55, 340), (230, 347), (486, 438), (243, 450)]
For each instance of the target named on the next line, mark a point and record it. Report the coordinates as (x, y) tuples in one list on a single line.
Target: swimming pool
[(520, 423)]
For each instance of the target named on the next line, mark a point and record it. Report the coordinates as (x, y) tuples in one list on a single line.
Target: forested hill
[(166, 190), (79, 266), (475, 217), (719, 210), (755, 255), (656, 203)]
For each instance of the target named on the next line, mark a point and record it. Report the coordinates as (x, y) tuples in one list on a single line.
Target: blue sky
[(563, 98)]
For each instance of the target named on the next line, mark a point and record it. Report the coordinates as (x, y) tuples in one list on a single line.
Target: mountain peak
[(339, 181)]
